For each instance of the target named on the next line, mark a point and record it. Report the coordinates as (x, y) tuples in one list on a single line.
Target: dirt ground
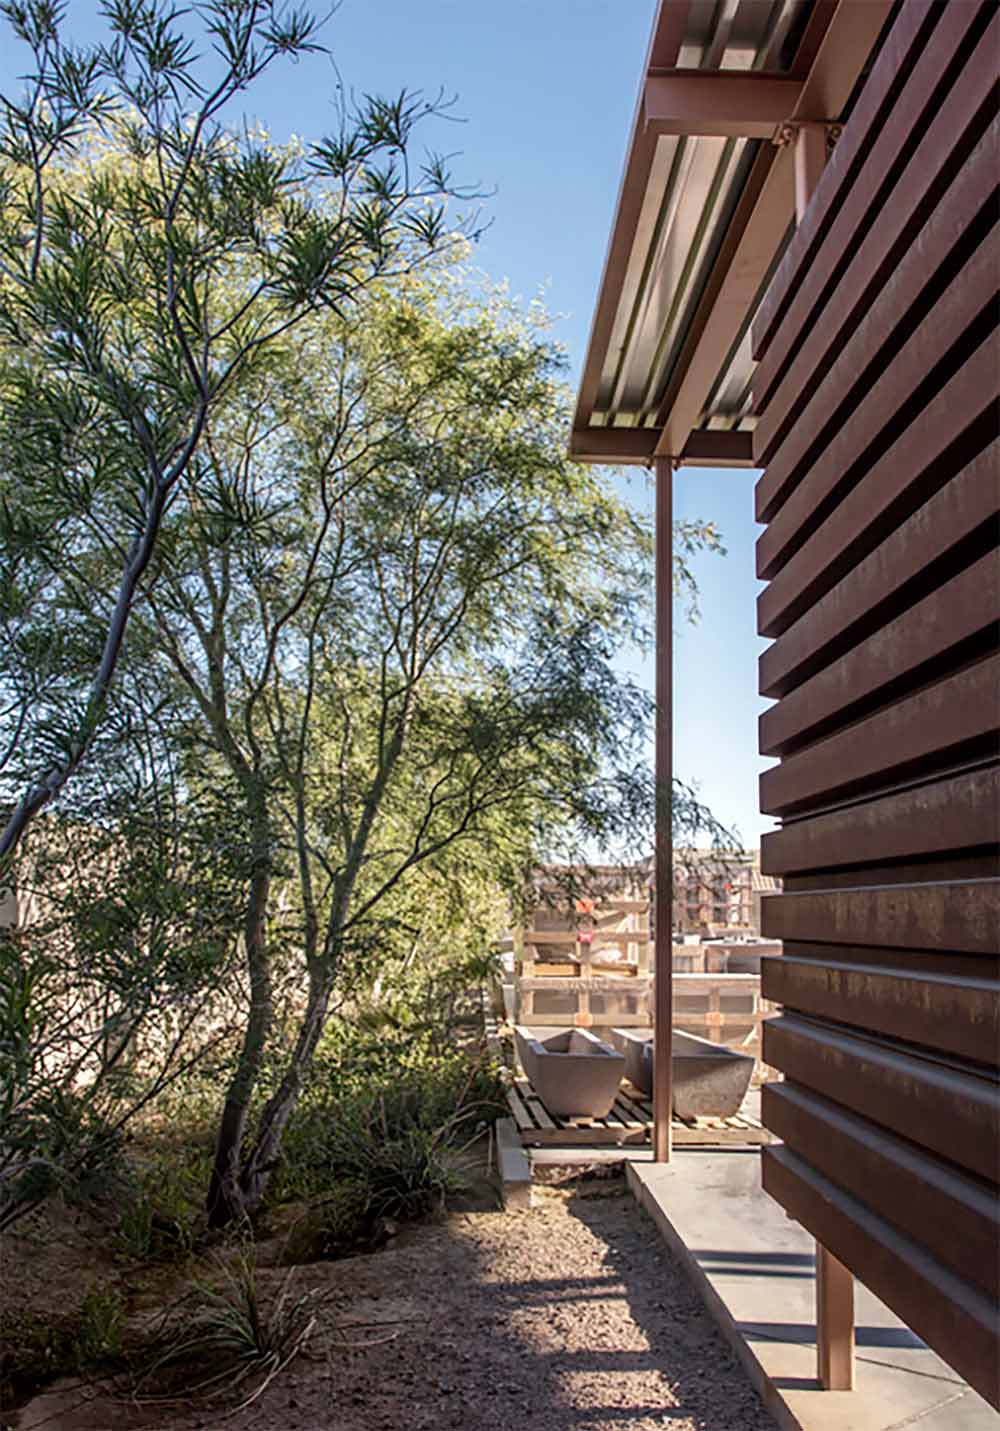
[(570, 1316)]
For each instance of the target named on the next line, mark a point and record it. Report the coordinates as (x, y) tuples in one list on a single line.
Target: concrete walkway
[(754, 1268)]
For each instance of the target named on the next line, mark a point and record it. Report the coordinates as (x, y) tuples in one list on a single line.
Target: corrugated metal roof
[(693, 188)]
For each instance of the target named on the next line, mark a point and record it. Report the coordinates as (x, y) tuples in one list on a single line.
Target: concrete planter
[(710, 1081), (572, 1071)]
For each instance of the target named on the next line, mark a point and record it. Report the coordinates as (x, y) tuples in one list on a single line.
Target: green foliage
[(407, 1175), (392, 1114), (340, 1224), (162, 1214), (228, 1327), (122, 954), (150, 265), (35, 1348), (102, 1327)]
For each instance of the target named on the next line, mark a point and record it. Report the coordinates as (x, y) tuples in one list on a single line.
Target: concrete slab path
[(755, 1270)]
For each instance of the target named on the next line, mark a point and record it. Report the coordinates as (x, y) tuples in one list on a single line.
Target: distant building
[(716, 894)]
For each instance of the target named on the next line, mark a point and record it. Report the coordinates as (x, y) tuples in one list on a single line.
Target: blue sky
[(545, 92)]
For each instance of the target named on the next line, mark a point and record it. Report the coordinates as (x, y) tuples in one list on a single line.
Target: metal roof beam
[(722, 103), (708, 447), (614, 445), (629, 446)]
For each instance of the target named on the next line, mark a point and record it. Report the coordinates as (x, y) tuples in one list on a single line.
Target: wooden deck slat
[(533, 1103), (630, 1121), (520, 1114)]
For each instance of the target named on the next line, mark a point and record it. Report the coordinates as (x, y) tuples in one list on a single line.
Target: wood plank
[(568, 1021), (935, 723), (581, 969), (533, 1103), (521, 1115), (705, 983), (630, 1117), (596, 984)]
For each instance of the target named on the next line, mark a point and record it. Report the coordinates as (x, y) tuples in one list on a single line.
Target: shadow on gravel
[(570, 1316)]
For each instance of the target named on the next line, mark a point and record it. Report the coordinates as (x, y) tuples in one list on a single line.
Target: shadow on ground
[(570, 1316)]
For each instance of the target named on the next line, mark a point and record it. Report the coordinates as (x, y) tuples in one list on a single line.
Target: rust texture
[(876, 405)]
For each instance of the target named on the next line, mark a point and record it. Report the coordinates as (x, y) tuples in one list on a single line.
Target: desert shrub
[(392, 1116), (162, 1210), (37, 1347), (102, 1327), (227, 1338), (34, 1347), (409, 1175), (340, 1224)]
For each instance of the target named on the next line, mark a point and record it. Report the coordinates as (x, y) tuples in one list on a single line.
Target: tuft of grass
[(102, 1327), (229, 1326), (162, 1214), (412, 1174)]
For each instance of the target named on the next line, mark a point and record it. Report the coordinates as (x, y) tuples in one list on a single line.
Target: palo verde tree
[(116, 968), (395, 608), (150, 261)]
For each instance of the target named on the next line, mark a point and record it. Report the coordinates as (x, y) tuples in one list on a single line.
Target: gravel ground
[(572, 1315)]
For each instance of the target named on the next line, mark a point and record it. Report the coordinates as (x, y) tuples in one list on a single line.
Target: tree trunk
[(225, 1194), (263, 1158)]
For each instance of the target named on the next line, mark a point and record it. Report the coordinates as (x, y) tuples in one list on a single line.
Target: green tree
[(150, 261), (396, 608), (116, 975)]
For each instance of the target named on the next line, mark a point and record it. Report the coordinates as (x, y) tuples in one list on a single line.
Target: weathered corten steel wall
[(876, 395)]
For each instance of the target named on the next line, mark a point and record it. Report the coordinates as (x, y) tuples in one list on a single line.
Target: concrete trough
[(571, 1070), (709, 1080)]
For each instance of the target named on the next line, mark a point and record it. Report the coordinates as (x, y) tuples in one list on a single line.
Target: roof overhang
[(706, 204)]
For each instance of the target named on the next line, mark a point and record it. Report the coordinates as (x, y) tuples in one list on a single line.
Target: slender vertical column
[(834, 1322), (663, 1013)]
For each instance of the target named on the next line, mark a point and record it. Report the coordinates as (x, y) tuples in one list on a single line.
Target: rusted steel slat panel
[(929, 961), (922, 1197), (956, 713), (881, 418), (954, 1114), (946, 435), (952, 1316), (960, 812), (957, 1016), (913, 558), (962, 916), (893, 272), (905, 41), (970, 864), (866, 306), (913, 648)]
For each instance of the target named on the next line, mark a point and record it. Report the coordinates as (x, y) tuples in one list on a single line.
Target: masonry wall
[(877, 430)]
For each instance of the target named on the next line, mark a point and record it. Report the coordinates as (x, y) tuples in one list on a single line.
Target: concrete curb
[(515, 1170), (772, 1398)]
